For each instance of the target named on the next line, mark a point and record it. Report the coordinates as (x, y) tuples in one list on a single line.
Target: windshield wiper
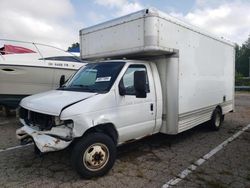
[(81, 86), (61, 88), (88, 88)]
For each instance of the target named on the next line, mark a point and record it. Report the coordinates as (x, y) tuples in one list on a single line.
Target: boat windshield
[(30, 52), (94, 77)]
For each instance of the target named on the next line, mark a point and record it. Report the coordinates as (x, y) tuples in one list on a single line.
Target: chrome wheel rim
[(96, 157)]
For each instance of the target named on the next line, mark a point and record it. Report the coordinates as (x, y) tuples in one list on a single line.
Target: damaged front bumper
[(55, 139)]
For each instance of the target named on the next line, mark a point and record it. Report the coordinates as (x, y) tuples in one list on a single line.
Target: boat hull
[(19, 81)]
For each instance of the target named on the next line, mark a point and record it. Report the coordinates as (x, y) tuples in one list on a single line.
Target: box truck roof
[(151, 12)]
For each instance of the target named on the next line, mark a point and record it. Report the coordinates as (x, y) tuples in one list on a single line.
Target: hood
[(52, 102)]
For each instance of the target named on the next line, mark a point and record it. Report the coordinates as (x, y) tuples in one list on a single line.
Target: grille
[(23, 113), (43, 121)]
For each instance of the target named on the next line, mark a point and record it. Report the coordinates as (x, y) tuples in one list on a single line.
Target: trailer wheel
[(216, 120), (93, 155)]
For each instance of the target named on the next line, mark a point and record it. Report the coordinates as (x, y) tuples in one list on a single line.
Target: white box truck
[(151, 73)]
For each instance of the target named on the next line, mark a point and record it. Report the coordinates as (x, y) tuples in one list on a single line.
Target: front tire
[(216, 120), (93, 155)]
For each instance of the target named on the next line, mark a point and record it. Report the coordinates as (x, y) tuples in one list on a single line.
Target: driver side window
[(127, 81)]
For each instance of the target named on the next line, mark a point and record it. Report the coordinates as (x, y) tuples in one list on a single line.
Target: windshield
[(94, 77)]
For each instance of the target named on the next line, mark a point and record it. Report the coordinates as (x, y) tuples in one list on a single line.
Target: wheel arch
[(106, 128), (220, 108)]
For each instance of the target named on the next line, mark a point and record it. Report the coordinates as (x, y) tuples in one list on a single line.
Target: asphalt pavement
[(150, 162)]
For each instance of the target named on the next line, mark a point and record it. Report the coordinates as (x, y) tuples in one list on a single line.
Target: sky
[(57, 22)]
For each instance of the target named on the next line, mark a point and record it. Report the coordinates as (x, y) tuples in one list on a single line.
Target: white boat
[(28, 68)]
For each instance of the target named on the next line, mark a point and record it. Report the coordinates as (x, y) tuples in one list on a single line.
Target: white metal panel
[(135, 113), (168, 71), (158, 94), (206, 67), (55, 101), (134, 33), (127, 36), (114, 22)]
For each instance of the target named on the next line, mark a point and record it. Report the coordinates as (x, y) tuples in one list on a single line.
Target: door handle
[(151, 107)]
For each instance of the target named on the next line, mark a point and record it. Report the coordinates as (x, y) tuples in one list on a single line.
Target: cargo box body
[(196, 68)]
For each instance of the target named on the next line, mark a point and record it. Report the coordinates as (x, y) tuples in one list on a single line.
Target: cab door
[(136, 116)]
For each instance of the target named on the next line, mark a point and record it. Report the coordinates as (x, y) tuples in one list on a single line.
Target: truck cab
[(118, 98)]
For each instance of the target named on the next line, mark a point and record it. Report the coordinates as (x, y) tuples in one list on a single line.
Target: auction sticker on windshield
[(103, 79)]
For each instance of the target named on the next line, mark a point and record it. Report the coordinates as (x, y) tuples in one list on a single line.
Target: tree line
[(242, 55)]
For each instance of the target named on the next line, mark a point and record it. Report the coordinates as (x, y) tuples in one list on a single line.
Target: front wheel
[(93, 155), (216, 120)]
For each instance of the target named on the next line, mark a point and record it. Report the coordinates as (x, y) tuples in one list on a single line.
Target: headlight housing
[(58, 122)]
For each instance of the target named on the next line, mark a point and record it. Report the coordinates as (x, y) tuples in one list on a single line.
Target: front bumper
[(56, 139)]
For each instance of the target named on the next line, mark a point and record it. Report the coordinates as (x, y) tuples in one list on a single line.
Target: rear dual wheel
[(217, 119), (93, 155)]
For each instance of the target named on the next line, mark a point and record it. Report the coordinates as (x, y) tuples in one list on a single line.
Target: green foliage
[(74, 45), (238, 76), (240, 80), (242, 55)]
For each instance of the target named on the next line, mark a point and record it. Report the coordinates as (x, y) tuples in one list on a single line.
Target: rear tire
[(216, 120), (93, 155)]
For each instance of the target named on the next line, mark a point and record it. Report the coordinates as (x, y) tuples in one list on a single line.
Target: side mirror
[(122, 90), (140, 84), (62, 80)]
